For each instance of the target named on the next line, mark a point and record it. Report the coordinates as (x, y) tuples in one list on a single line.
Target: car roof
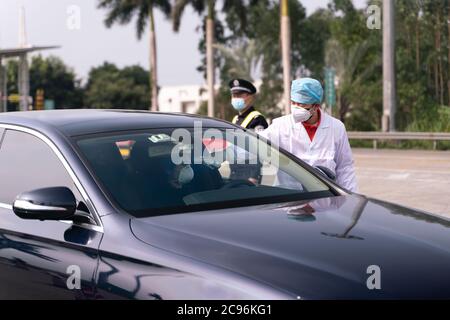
[(77, 122)]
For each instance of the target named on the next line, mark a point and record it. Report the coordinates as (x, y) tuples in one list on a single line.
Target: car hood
[(331, 248)]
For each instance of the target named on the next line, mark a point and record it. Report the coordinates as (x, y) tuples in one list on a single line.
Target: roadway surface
[(416, 179)]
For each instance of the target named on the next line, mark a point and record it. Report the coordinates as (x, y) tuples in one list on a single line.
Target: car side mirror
[(326, 172), (79, 235), (57, 203)]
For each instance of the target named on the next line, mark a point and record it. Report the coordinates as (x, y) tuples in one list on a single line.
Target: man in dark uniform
[(242, 99)]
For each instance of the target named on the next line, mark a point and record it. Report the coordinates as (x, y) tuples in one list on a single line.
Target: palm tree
[(199, 6), (242, 59), (123, 11), (346, 63)]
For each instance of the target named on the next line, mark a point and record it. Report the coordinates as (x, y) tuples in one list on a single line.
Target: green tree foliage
[(52, 75), (338, 37), (219, 37), (123, 12), (57, 80), (236, 9), (242, 49), (12, 68), (259, 44), (112, 88)]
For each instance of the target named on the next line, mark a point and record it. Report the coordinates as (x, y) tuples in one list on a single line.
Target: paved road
[(417, 179)]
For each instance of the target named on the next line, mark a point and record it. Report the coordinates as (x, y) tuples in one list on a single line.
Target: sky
[(89, 44)]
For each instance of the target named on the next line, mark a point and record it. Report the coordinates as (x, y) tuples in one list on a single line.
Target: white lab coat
[(330, 147)]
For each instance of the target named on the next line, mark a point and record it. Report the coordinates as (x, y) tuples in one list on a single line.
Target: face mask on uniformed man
[(300, 114), (238, 103)]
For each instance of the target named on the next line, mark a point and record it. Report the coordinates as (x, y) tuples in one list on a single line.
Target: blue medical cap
[(306, 91)]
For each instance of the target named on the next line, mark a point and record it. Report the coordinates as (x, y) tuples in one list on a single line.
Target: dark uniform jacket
[(258, 122)]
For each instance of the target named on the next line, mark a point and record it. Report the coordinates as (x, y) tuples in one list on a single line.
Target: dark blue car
[(136, 205)]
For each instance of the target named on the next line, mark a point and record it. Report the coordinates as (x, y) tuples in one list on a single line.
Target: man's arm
[(258, 124), (345, 170)]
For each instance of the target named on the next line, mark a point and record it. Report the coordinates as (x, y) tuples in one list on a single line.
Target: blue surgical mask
[(238, 104)]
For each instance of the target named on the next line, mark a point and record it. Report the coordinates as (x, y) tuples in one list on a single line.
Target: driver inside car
[(180, 176)]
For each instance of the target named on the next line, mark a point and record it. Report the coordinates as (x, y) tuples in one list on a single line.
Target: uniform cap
[(242, 85)]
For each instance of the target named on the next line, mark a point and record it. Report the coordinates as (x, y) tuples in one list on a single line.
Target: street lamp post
[(286, 53), (24, 82), (210, 75), (389, 94)]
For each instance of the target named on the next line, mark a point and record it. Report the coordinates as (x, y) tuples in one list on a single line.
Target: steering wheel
[(237, 183)]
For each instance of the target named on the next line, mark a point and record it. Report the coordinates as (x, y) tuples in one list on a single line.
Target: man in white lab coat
[(312, 135)]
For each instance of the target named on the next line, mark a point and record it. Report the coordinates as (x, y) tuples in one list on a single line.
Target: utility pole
[(24, 82), (389, 92), (286, 53), (153, 63), (24, 71), (210, 75), (3, 88), (23, 40)]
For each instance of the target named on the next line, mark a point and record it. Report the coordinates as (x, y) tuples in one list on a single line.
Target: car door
[(42, 259)]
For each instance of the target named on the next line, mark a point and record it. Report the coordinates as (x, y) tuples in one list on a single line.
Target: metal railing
[(376, 136)]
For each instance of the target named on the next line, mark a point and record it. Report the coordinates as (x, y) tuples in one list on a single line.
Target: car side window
[(27, 163)]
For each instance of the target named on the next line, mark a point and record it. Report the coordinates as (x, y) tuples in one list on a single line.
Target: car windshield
[(165, 171)]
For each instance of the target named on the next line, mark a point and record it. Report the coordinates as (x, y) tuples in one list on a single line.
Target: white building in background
[(186, 98)]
